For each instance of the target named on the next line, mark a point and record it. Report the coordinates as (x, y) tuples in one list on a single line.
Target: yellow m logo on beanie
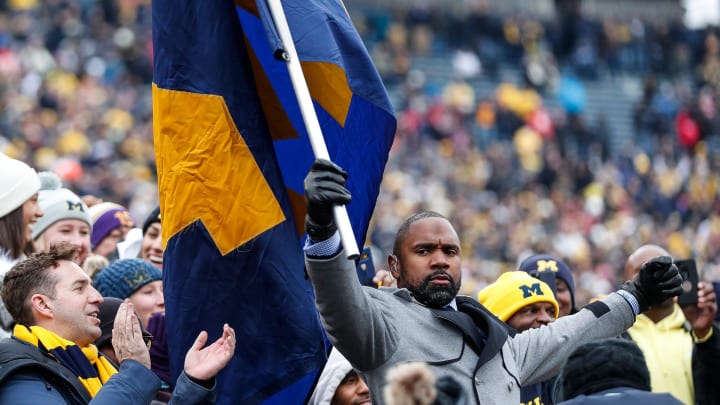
[(543, 265)]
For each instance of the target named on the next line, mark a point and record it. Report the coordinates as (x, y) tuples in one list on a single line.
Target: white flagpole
[(307, 109)]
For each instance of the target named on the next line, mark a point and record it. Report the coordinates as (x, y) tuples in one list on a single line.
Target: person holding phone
[(679, 343)]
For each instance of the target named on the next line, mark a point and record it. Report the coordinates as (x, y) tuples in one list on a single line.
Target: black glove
[(324, 189), (658, 280)]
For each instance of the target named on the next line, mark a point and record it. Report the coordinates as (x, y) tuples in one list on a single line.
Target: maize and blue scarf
[(91, 369)]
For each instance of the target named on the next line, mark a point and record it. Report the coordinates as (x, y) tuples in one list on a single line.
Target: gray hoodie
[(336, 368)]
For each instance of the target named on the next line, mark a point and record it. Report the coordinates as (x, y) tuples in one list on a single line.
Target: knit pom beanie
[(57, 203), (123, 277), (106, 217), (514, 290), (18, 182), (543, 262)]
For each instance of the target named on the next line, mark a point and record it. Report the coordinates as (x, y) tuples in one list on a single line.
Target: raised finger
[(228, 331), (709, 294), (119, 323), (135, 322), (129, 313)]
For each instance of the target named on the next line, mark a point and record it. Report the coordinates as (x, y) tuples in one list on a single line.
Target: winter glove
[(657, 281), (324, 189)]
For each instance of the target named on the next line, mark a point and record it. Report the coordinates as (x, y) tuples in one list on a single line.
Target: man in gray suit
[(424, 319)]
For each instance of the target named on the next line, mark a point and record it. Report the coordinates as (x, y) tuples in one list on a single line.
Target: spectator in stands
[(51, 359), (108, 311), (679, 343), (136, 280), (66, 219), (522, 302), (19, 209), (564, 282), (145, 242), (340, 384), (609, 372), (110, 223), (151, 248)]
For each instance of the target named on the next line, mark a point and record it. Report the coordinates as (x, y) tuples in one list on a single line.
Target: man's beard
[(436, 295)]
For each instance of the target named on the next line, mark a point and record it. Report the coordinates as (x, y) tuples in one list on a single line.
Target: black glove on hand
[(324, 189), (657, 281)]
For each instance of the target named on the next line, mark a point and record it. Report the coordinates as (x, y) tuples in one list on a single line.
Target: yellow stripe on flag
[(205, 165), (328, 86)]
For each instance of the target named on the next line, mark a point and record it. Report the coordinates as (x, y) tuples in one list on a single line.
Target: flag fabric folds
[(352, 105), (231, 152)]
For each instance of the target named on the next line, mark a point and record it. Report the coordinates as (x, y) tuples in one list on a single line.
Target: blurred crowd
[(518, 177), (515, 176), (75, 89)]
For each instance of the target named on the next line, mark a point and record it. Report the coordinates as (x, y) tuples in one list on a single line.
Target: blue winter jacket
[(29, 377)]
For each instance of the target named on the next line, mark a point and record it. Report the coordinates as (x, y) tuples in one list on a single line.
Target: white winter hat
[(57, 203), (18, 182)]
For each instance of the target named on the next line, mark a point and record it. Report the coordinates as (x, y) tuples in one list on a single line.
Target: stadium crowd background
[(520, 168)]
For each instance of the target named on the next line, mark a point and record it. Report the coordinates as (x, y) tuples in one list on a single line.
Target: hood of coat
[(336, 368)]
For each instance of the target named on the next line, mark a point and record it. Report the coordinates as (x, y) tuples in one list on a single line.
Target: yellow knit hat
[(514, 290)]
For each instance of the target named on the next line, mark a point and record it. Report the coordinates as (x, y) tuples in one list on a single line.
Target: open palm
[(204, 363)]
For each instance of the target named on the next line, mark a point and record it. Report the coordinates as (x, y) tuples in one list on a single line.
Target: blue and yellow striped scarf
[(92, 370)]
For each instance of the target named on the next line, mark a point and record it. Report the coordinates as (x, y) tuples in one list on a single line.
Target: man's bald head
[(640, 256)]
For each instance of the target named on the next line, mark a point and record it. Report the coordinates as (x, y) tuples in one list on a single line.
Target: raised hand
[(383, 278), (324, 189), (127, 338), (657, 281), (203, 363), (702, 314)]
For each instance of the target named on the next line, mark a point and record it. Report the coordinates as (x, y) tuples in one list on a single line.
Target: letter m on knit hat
[(72, 206), (530, 290), (547, 265)]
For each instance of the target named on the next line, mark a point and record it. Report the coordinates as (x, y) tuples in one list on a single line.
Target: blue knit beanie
[(123, 277)]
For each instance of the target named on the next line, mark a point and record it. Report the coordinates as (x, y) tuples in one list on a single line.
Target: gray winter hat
[(57, 203)]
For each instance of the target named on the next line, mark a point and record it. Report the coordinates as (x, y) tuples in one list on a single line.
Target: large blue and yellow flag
[(232, 152)]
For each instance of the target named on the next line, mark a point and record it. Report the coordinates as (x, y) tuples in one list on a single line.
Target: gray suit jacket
[(378, 329)]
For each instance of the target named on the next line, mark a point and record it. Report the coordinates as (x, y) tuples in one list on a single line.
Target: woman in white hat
[(19, 209)]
